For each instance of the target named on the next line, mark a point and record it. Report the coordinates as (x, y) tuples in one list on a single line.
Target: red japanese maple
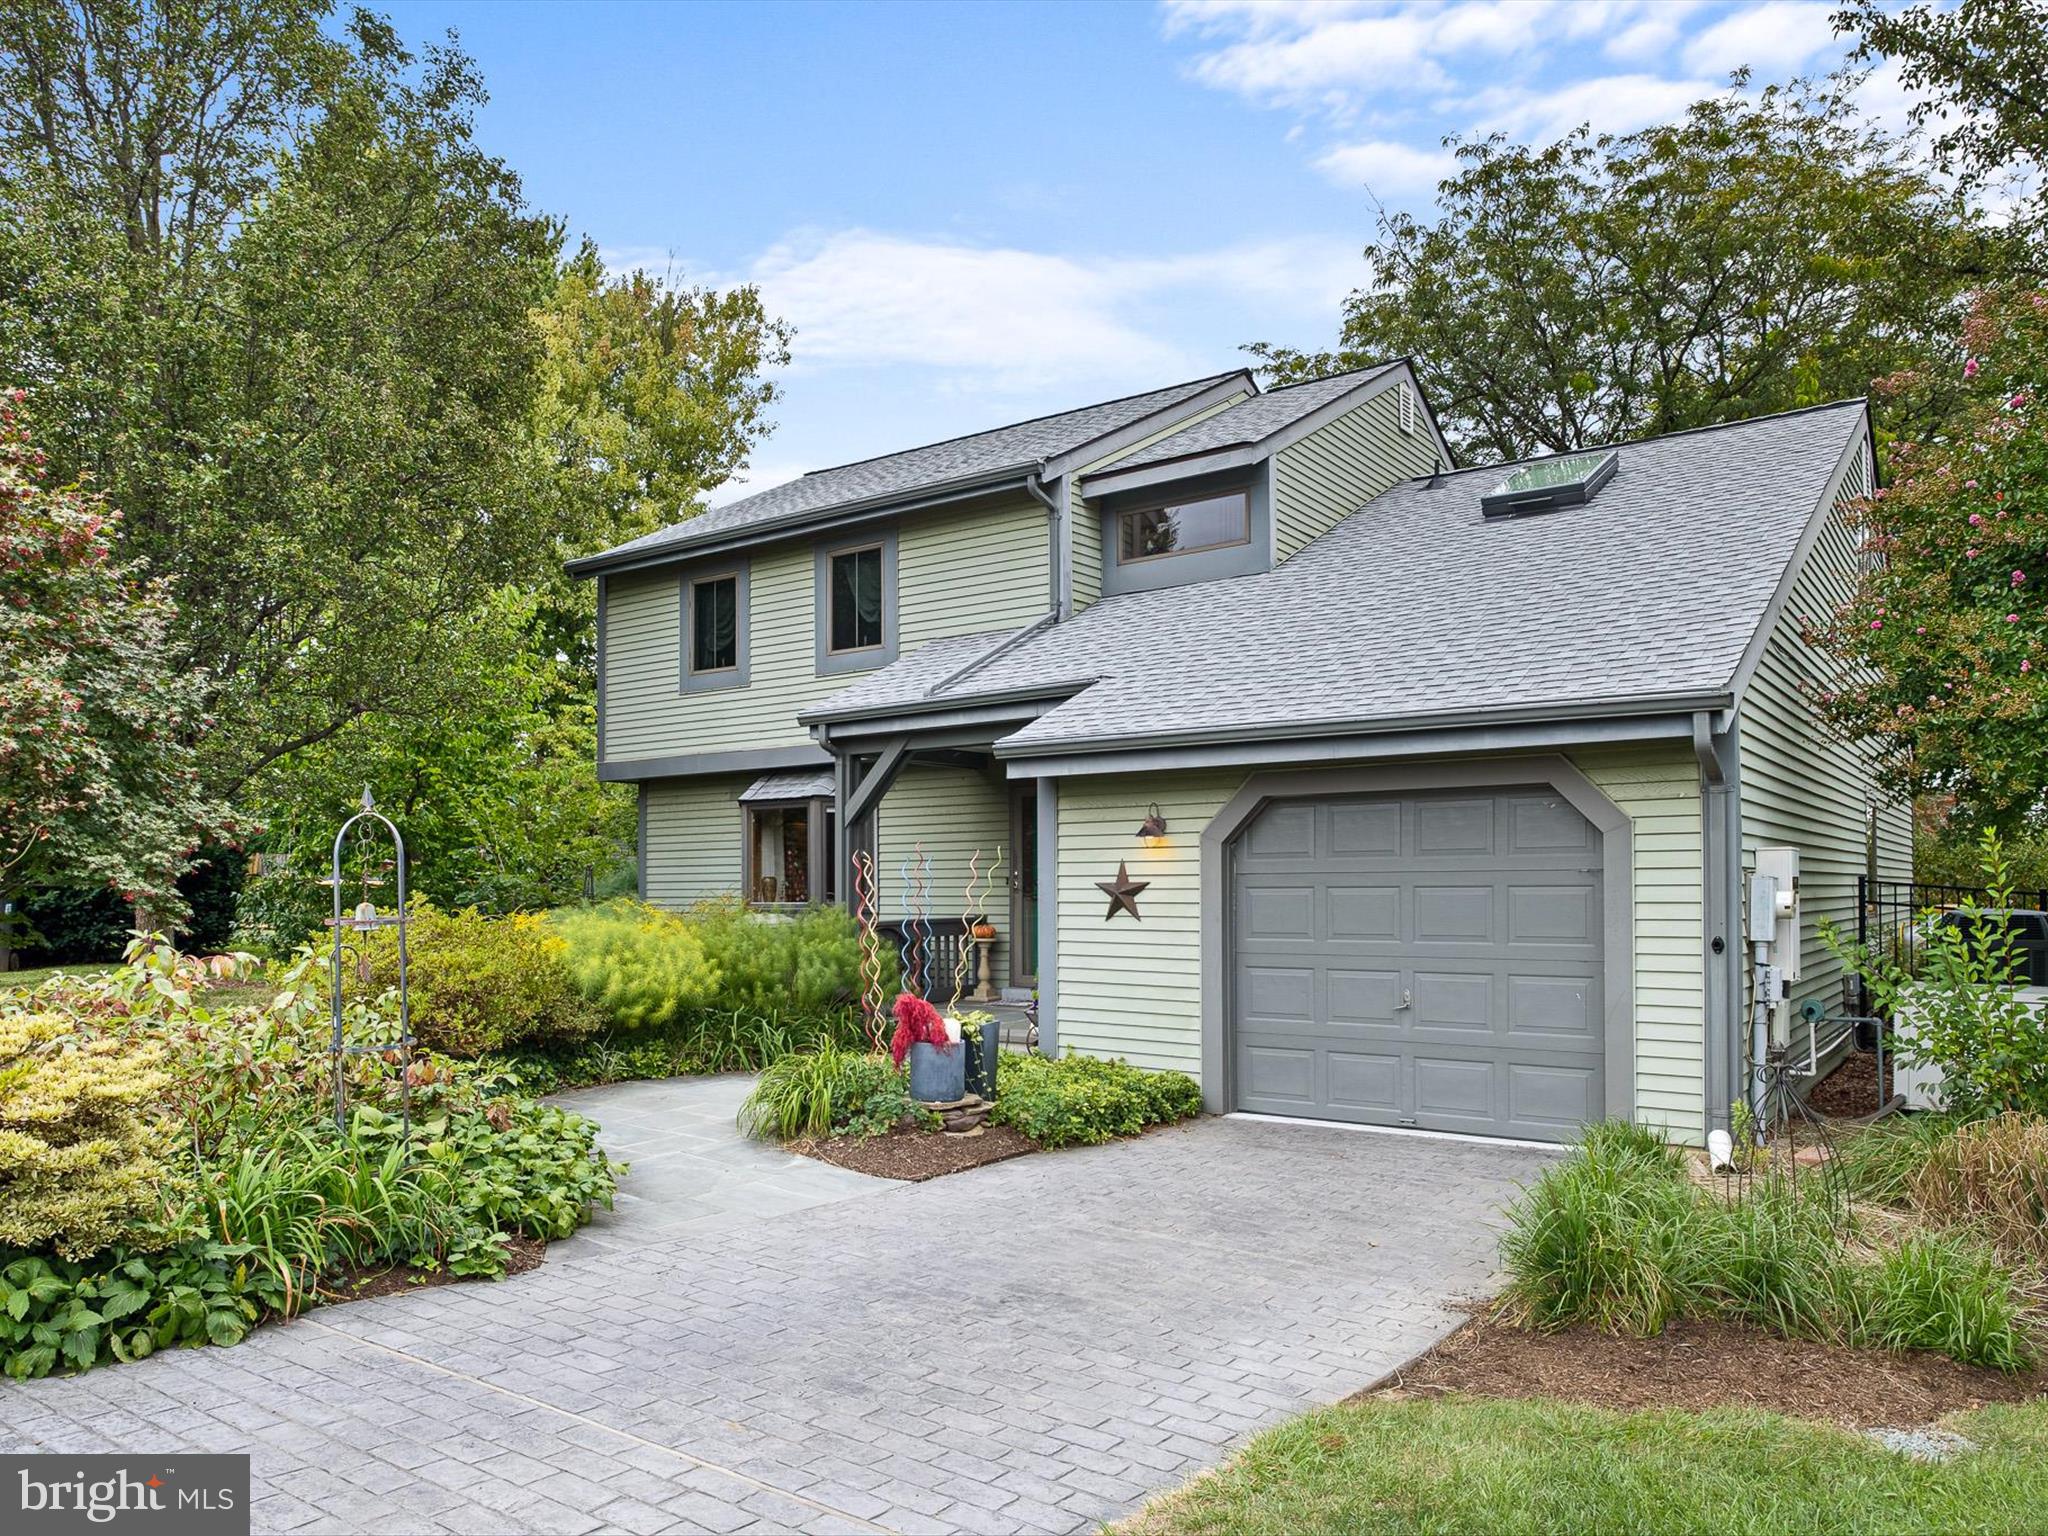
[(917, 1021)]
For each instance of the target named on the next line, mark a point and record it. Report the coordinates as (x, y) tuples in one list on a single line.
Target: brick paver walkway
[(1031, 1347)]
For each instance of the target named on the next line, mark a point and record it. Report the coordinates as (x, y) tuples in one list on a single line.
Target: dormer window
[(1184, 527)]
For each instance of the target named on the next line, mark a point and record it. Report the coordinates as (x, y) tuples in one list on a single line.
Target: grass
[(41, 974), (1532, 1469), (1617, 1236)]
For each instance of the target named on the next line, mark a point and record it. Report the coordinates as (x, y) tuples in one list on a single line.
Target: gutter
[(1599, 709), (1034, 487)]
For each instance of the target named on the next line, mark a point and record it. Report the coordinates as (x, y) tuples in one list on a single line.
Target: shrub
[(799, 1094), (1083, 1099), (1596, 1237), (917, 1023), (1991, 1176), (710, 1040), (480, 983), (808, 963), (1880, 1162), (1944, 1293), (1773, 1260), (643, 968), (1960, 994), (82, 1133), (873, 1098)]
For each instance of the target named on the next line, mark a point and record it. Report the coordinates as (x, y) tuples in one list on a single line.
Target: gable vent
[(1406, 395), (1551, 484)]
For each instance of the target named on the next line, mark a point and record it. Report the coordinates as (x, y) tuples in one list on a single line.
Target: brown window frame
[(819, 886)]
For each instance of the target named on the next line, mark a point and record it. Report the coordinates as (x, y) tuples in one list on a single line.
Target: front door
[(1024, 885)]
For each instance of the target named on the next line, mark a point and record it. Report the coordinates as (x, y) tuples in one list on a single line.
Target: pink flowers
[(1970, 369), (1877, 623), (2012, 618), (2026, 666), (1976, 520), (2019, 578)]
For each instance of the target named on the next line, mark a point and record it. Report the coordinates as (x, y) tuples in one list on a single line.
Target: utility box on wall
[(1781, 925)]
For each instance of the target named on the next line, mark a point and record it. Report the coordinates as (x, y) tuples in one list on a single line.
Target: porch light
[(1154, 824)]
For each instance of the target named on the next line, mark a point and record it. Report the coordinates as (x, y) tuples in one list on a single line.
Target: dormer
[(1247, 486)]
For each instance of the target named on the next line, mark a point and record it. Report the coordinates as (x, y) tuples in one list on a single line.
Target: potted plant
[(931, 1044)]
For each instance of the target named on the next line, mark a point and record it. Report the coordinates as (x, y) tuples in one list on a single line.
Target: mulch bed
[(915, 1156), (1850, 1091), (1694, 1365), (523, 1253)]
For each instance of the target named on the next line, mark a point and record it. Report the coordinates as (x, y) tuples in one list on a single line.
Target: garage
[(1426, 960)]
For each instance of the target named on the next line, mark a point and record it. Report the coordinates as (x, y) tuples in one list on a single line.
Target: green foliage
[(1957, 985), (260, 1203), (709, 1041), (83, 1134), (1767, 250), (95, 786), (1078, 1100), (829, 1088), (1619, 1237), (1948, 1294), (642, 967), (1881, 1162), (807, 963), (1939, 654), (478, 983)]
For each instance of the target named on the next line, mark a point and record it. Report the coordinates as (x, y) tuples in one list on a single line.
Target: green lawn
[(30, 978), (1499, 1468)]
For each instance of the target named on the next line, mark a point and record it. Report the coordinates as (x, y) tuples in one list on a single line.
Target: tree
[(1941, 651), (1766, 251), (1980, 71), (96, 784)]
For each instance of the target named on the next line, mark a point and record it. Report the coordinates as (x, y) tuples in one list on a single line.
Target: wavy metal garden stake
[(962, 957), (872, 999), (921, 919)]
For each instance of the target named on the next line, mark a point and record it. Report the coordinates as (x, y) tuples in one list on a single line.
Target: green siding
[(1659, 789), (1336, 469), (693, 839), (957, 572), (1134, 989), (952, 813), (1085, 524), (1803, 786)]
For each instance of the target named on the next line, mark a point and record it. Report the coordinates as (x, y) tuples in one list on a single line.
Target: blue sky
[(977, 213)]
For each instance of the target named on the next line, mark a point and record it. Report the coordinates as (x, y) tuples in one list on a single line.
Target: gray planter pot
[(938, 1076)]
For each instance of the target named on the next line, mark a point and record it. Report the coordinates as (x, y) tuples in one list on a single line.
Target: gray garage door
[(1428, 960)]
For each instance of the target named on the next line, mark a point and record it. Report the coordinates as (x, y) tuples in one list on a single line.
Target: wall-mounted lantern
[(1153, 826)]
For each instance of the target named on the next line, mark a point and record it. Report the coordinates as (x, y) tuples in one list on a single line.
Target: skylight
[(1549, 484)]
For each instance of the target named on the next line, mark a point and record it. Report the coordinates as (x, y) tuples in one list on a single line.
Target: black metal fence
[(1889, 914)]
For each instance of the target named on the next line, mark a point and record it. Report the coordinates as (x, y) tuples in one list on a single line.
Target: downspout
[(1035, 488), (1719, 756)]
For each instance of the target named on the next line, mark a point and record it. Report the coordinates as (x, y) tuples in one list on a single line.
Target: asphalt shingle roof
[(1019, 446), (804, 785), (1250, 421), (1417, 606)]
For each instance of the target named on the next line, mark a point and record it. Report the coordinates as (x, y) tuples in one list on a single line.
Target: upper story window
[(1182, 528), (715, 624), (715, 629), (856, 603), (856, 596)]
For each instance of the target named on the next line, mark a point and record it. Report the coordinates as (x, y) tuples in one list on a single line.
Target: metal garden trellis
[(365, 918)]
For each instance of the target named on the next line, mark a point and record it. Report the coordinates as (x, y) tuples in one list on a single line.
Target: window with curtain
[(714, 625), (856, 588)]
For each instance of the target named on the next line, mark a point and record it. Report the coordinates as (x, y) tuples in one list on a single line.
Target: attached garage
[(1444, 957)]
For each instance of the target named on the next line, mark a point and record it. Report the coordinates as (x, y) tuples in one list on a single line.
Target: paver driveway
[(1030, 1347)]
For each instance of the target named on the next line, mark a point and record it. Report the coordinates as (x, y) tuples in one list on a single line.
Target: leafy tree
[(96, 786), (1941, 651), (1766, 251), (1980, 69)]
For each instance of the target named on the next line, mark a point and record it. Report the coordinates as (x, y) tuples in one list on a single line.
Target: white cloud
[(1390, 170), (1610, 103), (1001, 319), (1775, 39)]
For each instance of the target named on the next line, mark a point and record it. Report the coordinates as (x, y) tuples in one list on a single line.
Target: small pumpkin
[(984, 929)]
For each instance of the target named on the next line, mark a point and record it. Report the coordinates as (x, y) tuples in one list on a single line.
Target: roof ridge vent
[(1548, 485)]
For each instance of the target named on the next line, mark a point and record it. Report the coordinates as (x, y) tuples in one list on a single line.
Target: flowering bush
[(1941, 649), (917, 1023)]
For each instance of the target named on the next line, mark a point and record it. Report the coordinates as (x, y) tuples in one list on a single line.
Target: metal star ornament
[(1122, 892)]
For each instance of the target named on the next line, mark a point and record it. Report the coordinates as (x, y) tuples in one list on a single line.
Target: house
[(1447, 779)]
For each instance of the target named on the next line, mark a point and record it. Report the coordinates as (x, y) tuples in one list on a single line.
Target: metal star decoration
[(1122, 893)]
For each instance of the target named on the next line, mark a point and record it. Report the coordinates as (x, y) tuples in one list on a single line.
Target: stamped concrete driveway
[(756, 1343)]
